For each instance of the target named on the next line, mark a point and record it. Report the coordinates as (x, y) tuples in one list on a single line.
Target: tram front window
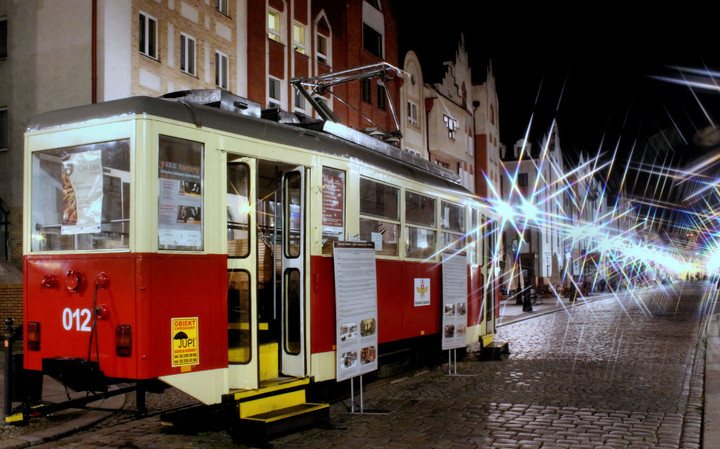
[(81, 197)]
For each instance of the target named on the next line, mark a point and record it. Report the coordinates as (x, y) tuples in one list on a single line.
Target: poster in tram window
[(454, 303), (82, 188), (180, 206), (333, 203), (355, 309)]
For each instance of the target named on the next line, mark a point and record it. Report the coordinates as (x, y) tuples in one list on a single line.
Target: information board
[(454, 302), (355, 308)]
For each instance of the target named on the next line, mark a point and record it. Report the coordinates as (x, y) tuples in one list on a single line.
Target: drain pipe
[(93, 53)]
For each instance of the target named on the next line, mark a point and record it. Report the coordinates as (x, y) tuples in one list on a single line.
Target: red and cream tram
[(166, 239)]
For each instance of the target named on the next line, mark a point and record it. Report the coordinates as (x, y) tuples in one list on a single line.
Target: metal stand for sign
[(362, 409), (452, 365)]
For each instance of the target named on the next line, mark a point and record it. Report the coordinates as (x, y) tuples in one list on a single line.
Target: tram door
[(274, 261)]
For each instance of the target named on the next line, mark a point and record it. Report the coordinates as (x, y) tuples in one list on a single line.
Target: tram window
[(384, 235), (333, 207), (452, 217), (238, 209), (180, 202), (293, 213), (378, 199), (420, 243), (238, 316), (80, 197), (419, 209), (292, 311)]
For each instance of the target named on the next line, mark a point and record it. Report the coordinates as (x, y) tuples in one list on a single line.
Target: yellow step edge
[(244, 394)]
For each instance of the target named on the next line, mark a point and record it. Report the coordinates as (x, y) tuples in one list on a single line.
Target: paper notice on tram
[(82, 180), (455, 292), (355, 309)]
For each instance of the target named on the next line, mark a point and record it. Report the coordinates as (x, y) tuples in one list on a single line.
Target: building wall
[(413, 128), (487, 137), (11, 303)]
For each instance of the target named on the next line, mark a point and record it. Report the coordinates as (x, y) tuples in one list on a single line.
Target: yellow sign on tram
[(185, 347)]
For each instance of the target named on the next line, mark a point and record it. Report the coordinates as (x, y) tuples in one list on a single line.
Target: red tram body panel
[(143, 291)]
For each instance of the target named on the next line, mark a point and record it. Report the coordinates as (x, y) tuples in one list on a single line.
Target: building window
[(451, 125), (322, 45), (3, 129), (522, 179), (366, 87), (412, 113), (299, 100), (187, 54), (274, 25), (372, 41), (274, 93), (148, 36), (374, 3), (222, 6), (3, 37), (381, 97), (221, 70), (299, 37)]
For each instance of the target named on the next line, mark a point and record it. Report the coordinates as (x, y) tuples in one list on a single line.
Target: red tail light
[(33, 336), (123, 340)]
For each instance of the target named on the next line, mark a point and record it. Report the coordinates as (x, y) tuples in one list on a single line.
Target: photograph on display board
[(348, 360), (367, 327), (368, 355), (348, 331)]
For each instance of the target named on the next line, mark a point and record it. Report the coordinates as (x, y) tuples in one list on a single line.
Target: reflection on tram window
[(293, 213), (419, 209), (452, 217), (384, 235), (293, 310), (238, 316), (81, 197), (420, 243), (380, 200), (238, 209), (180, 191)]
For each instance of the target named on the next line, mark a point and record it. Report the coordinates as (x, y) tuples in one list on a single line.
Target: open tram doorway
[(266, 287)]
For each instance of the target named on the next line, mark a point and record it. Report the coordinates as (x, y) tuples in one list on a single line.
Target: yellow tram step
[(288, 412)]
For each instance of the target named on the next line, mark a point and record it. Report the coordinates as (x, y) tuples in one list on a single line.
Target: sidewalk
[(510, 312)]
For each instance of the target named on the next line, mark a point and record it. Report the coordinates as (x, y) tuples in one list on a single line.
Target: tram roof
[(400, 162)]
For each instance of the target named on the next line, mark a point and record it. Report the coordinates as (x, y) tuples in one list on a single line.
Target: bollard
[(8, 388)]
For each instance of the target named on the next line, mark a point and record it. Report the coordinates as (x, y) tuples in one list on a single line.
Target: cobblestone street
[(624, 373)]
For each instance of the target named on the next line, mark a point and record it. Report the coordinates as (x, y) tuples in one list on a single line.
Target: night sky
[(590, 71)]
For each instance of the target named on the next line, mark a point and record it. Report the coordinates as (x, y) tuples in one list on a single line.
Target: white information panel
[(454, 302), (355, 308)]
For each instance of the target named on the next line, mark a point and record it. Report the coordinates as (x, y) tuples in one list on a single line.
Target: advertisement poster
[(454, 302), (185, 346), (355, 309), (421, 292), (333, 202), (180, 207), (82, 184)]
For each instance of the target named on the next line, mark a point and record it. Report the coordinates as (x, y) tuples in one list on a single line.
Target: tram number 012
[(79, 318)]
